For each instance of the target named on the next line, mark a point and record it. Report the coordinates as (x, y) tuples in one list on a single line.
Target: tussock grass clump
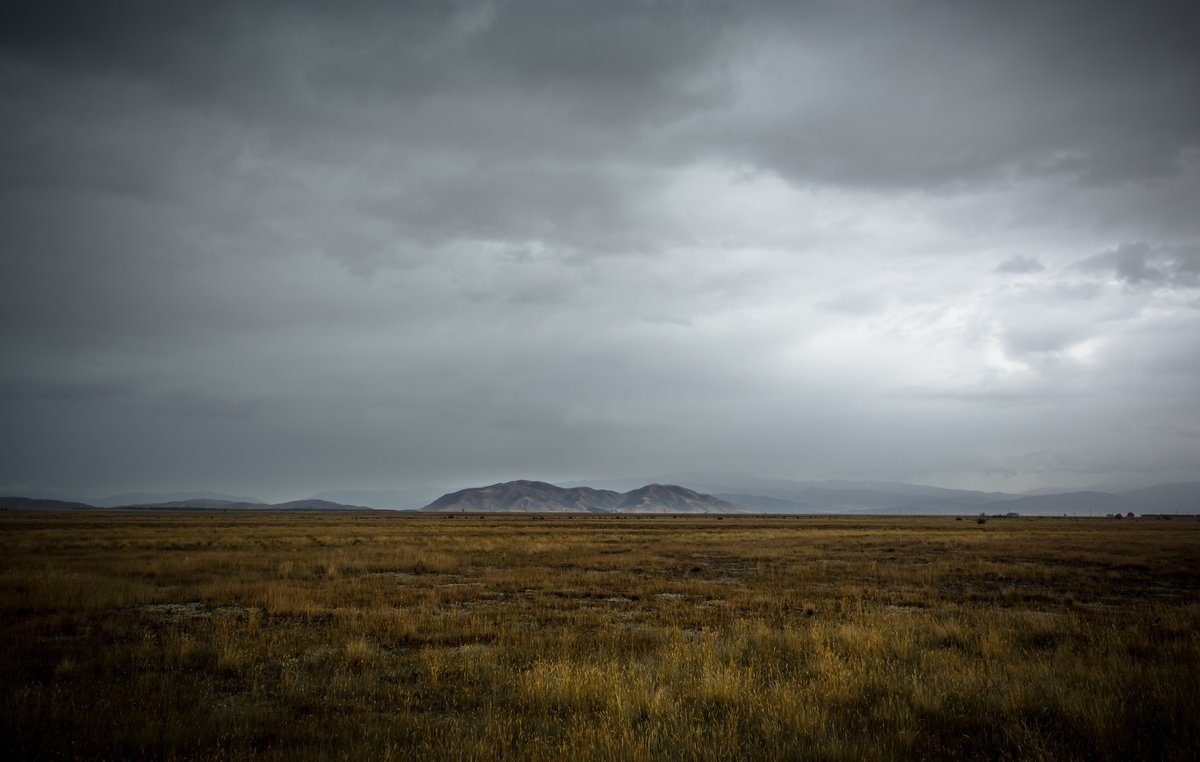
[(135, 635)]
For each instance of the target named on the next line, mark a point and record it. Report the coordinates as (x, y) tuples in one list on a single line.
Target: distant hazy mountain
[(198, 504), (749, 484), (532, 496), (1086, 503), (394, 499), (38, 502), (317, 505), (763, 504), (149, 498), (1053, 491), (1168, 498), (238, 505), (770, 495)]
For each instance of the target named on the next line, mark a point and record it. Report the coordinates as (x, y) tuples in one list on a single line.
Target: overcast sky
[(280, 248)]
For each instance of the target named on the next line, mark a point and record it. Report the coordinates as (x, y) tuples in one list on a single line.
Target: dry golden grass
[(364, 636)]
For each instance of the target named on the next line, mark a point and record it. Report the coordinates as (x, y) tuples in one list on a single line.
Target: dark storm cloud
[(1140, 264), (908, 92), (929, 93), (275, 247)]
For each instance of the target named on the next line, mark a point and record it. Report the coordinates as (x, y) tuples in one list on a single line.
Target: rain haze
[(276, 249)]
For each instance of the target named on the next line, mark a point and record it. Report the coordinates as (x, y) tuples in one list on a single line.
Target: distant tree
[(982, 519)]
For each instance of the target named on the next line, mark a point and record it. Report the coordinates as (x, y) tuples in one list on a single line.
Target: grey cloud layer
[(279, 247)]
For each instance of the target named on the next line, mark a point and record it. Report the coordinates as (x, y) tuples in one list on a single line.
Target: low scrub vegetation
[(376, 636)]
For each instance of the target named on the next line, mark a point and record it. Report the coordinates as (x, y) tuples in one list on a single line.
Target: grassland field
[(134, 635)]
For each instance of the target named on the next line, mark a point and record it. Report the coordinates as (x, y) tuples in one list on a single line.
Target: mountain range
[(784, 496), (688, 492), (193, 504)]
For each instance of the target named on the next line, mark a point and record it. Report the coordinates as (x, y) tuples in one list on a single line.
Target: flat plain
[(127, 635)]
